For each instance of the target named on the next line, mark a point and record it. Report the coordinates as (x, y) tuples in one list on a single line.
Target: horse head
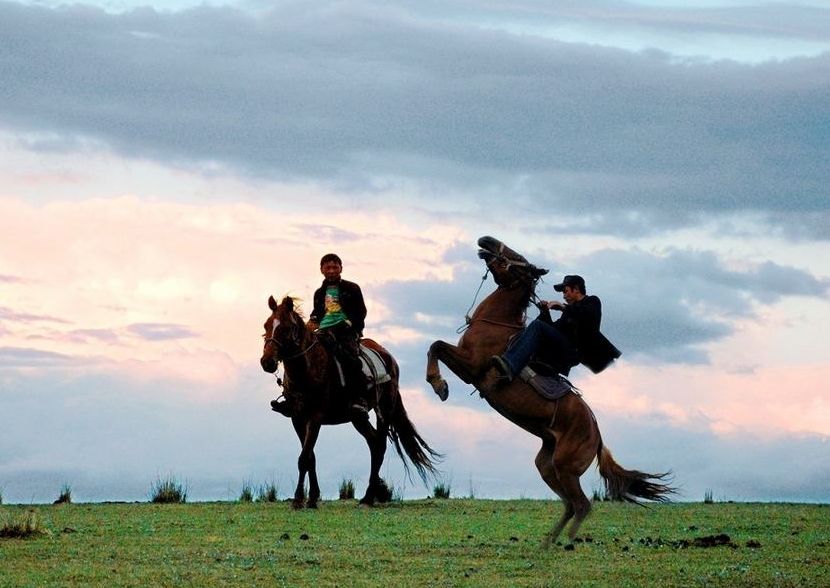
[(507, 266), (284, 334)]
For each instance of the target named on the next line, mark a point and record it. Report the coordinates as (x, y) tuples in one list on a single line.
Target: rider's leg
[(356, 382), (536, 335)]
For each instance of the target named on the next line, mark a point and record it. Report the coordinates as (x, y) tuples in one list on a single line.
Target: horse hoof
[(297, 504), (441, 388), (311, 505)]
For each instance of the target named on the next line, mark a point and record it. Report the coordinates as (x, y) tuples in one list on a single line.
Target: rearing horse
[(567, 427), (311, 386)]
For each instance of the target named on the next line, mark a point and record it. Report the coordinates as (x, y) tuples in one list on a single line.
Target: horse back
[(388, 360)]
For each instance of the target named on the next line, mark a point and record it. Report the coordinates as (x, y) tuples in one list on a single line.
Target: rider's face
[(570, 294), (331, 270)]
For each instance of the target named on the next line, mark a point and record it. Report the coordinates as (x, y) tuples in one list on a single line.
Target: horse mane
[(296, 304)]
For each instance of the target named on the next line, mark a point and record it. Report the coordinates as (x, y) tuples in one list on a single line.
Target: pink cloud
[(101, 265)]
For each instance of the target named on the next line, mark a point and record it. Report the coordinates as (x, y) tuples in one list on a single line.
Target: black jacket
[(580, 324), (351, 301)]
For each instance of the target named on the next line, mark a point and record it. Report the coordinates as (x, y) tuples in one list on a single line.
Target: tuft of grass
[(247, 494), (472, 489), (23, 527), (267, 493), (708, 497), (346, 490), (441, 490), (168, 490), (65, 496)]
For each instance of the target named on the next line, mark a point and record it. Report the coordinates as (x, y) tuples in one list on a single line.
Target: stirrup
[(501, 366)]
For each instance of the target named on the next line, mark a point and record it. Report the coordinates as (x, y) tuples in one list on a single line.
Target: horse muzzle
[(268, 364)]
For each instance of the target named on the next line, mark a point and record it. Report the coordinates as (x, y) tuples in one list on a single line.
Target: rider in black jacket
[(340, 315), (573, 338)]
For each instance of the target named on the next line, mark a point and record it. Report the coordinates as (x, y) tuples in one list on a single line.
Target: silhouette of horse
[(312, 387), (567, 427)]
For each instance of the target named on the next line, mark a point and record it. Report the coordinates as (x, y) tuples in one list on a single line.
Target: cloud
[(160, 331), (111, 436), (10, 279), (10, 315), (14, 357), (329, 95), (662, 305)]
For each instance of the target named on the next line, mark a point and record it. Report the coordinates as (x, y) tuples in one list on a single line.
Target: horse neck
[(298, 367), (507, 303)]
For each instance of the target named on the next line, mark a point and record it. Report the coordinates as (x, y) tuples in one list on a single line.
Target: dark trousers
[(544, 339), (344, 343)]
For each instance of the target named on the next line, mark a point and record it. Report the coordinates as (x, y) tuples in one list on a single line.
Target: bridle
[(279, 344), (509, 264)]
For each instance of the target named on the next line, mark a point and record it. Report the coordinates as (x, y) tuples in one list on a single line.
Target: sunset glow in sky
[(165, 168)]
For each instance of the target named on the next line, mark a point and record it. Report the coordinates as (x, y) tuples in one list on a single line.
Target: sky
[(165, 167)]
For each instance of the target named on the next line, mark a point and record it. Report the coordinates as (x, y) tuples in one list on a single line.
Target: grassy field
[(458, 542)]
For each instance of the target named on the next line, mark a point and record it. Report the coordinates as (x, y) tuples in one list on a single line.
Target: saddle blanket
[(550, 387), (373, 368)]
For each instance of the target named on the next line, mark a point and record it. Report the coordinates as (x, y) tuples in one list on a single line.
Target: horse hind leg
[(580, 505), (376, 440), (545, 465)]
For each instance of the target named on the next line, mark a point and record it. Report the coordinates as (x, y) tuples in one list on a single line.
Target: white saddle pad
[(373, 366)]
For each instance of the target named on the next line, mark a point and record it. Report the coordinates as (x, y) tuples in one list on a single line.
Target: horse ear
[(272, 304), (288, 303)]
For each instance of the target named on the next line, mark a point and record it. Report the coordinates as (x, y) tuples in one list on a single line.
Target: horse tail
[(629, 485), (409, 443)]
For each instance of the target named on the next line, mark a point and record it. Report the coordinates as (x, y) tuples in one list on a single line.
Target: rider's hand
[(556, 305)]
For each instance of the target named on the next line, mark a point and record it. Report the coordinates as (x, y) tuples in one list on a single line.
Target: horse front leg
[(307, 431), (455, 358)]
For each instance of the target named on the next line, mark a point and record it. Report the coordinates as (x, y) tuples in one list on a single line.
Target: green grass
[(247, 493), (268, 492), (24, 525), (168, 490), (457, 542)]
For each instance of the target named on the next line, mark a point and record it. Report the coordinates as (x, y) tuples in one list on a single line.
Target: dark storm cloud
[(358, 95)]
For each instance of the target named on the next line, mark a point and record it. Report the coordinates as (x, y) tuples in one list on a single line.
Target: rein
[(497, 323), (467, 320), (296, 355)]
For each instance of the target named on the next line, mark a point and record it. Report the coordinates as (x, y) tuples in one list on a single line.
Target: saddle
[(373, 368), (549, 385)]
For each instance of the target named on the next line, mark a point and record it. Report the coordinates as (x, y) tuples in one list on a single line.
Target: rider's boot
[(283, 407), (505, 374)]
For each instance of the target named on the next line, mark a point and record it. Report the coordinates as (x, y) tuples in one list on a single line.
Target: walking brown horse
[(567, 427), (311, 386)]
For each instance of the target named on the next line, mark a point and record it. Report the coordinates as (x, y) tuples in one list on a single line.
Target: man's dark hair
[(331, 257)]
